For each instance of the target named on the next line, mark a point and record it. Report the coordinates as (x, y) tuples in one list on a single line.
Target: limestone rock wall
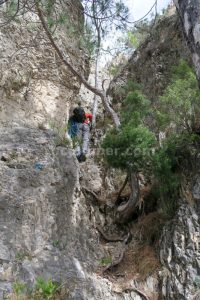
[(180, 254), (47, 225), (189, 12), (150, 65), (35, 88), (45, 229)]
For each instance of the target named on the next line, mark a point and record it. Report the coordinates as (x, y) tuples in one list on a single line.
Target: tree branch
[(61, 55)]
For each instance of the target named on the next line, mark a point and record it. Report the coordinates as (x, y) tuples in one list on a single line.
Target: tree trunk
[(95, 100), (126, 211), (189, 12)]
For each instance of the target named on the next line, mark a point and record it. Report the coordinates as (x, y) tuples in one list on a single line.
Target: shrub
[(130, 148), (135, 148), (178, 107), (45, 289)]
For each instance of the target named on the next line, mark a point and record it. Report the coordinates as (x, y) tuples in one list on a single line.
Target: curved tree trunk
[(189, 12), (117, 202), (126, 211), (95, 100)]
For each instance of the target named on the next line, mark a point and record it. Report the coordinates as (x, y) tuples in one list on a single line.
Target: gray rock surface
[(180, 254), (189, 12), (46, 227), (150, 65), (35, 88)]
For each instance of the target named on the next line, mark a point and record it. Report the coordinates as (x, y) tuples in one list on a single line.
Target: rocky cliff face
[(47, 225), (179, 244), (35, 88), (150, 65), (48, 216), (189, 16), (180, 252)]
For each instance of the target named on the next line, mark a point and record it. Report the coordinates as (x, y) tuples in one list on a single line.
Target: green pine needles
[(137, 147), (130, 148)]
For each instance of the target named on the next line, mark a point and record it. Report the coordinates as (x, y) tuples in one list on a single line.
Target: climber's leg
[(78, 140), (86, 137)]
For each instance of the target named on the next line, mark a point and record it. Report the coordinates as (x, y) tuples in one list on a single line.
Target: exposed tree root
[(107, 238), (125, 211), (132, 289), (117, 202), (116, 261), (86, 190)]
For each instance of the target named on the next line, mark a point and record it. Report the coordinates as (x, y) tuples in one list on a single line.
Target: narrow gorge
[(62, 234)]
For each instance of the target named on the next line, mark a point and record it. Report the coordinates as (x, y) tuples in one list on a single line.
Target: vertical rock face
[(189, 11), (150, 65), (45, 229), (35, 88), (180, 254)]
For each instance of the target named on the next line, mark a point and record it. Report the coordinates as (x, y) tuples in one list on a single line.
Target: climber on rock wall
[(79, 127)]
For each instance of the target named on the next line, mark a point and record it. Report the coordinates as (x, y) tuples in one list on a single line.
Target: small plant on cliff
[(45, 289), (105, 260), (20, 289)]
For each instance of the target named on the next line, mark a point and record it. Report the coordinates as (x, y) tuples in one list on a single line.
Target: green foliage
[(56, 243), (12, 8), (180, 102), (176, 114), (167, 181), (87, 40), (21, 255), (130, 148), (45, 289), (105, 261), (133, 39), (135, 147), (19, 288), (62, 18), (49, 5), (61, 245), (104, 16), (197, 282)]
